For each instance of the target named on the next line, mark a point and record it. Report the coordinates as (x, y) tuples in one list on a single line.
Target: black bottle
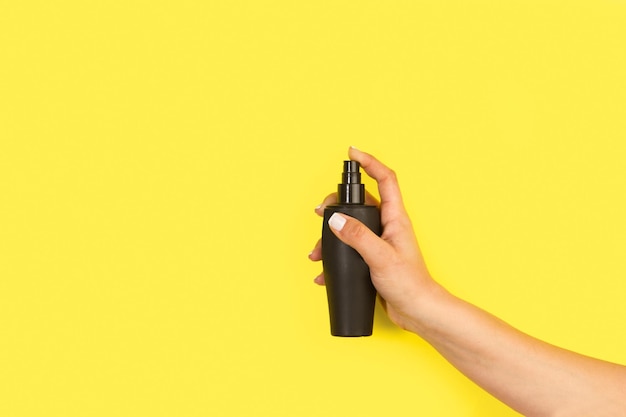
[(351, 295)]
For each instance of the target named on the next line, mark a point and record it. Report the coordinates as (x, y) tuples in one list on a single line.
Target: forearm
[(531, 376)]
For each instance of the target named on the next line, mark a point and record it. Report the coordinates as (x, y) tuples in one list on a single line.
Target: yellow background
[(160, 162)]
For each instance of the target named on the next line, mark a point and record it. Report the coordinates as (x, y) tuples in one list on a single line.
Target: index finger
[(388, 187)]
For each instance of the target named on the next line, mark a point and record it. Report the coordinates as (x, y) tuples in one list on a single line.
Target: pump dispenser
[(351, 295)]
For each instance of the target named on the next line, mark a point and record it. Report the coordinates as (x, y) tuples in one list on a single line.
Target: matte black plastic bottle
[(351, 295)]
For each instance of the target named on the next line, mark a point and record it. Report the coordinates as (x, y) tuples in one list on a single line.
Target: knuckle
[(357, 231), (390, 176)]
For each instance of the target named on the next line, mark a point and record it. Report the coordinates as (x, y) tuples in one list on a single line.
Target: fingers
[(316, 253), (329, 200), (388, 187), (374, 250), (352, 232)]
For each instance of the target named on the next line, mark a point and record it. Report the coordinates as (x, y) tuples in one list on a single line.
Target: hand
[(396, 264)]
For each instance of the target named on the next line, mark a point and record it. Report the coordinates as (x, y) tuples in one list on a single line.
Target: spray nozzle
[(351, 191), (351, 174)]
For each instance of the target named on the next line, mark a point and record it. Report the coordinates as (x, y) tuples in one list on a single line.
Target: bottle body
[(351, 294)]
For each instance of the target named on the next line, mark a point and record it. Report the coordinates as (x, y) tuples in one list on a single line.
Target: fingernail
[(318, 207), (355, 148), (337, 221)]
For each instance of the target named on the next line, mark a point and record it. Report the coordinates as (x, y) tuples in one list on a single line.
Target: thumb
[(374, 250)]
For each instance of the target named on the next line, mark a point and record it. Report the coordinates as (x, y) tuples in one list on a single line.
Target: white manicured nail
[(337, 221)]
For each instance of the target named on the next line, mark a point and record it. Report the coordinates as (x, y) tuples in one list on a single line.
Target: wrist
[(428, 308)]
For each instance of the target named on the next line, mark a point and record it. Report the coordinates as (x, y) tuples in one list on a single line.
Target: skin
[(531, 376)]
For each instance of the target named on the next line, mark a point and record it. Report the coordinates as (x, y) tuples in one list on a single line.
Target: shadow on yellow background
[(160, 162)]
